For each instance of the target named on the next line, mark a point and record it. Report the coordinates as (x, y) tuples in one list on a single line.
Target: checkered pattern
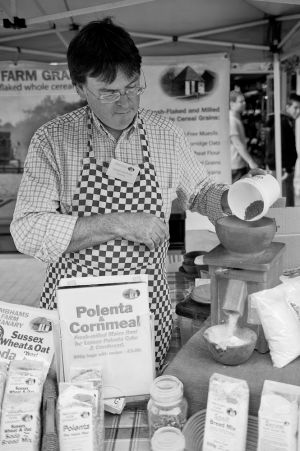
[(54, 273), (96, 193), (129, 431)]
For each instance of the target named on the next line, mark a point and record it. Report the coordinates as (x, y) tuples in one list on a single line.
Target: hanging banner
[(193, 91), (31, 94)]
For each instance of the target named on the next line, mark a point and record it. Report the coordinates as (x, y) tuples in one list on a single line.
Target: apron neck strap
[(89, 150), (142, 134)]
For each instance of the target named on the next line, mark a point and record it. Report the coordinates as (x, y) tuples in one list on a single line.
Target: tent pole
[(277, 112), (224, 43), (240, 26), (87, 10)]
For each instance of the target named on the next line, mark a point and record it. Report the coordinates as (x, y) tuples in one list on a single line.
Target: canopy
[(248, 30)]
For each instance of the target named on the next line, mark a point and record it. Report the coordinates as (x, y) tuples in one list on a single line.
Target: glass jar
[(168, 438), (167, 405)]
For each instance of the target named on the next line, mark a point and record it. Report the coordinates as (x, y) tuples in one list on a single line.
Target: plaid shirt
[(42, 226)]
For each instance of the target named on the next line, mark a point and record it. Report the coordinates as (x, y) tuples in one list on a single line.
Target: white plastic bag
[(292, 290), (280, 324)]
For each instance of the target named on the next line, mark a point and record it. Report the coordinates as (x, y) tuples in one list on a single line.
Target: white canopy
[(248, 30)]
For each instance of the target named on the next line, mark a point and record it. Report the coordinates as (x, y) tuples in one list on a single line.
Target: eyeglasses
[(115, 94)]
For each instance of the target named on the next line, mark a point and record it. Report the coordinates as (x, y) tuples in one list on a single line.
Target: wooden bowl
[(244, 237), (234, 353)]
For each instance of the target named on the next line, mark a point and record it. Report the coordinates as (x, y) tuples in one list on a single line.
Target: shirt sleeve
[(197, 191), (38, 227)]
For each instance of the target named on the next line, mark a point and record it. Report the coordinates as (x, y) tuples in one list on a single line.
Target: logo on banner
[(188, 83)]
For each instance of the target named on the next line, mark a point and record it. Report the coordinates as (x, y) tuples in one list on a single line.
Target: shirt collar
[(127, 133)]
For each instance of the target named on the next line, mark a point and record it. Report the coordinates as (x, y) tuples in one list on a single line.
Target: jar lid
[(166, 389), (168, 438)]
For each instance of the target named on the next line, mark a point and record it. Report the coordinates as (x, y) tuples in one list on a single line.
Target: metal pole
[(87, 10), (224, 43), (277, 121), (240, 26)]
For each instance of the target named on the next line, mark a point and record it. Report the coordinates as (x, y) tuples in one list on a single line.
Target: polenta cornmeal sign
[(106, 321), (28, 80)]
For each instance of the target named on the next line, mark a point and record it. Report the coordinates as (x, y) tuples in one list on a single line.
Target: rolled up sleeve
[(39, 228), (198, 192)]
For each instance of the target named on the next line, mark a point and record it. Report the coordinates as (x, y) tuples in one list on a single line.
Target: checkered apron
[(96, 193)]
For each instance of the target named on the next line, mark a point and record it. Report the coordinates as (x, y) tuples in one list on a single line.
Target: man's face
[(293, 110), (239, 105), (117, 115)]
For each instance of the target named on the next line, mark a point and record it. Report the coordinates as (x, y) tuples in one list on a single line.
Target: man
[(241, 159), (79, 209), (289, 153)]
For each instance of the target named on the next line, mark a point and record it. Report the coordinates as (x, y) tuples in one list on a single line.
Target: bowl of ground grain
[(230, 349), (245, 237)]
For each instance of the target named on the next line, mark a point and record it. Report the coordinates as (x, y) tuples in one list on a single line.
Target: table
[(128, 431)]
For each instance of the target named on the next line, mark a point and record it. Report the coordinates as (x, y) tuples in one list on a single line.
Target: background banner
[(193, 91), (31, 94)]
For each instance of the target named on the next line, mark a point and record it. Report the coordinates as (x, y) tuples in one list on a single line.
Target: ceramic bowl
[(243, 237), (233, 354)]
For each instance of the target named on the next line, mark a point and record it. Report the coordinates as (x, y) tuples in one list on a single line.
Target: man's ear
[(80, 91)]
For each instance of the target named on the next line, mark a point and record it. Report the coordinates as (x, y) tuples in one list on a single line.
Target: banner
[(31, 94), (193, 91)]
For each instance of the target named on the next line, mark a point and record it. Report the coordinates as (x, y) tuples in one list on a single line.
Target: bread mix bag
[(21, 423), (226, 414), (278, 417), (20, 420)]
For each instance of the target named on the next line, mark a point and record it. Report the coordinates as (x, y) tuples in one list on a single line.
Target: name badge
[(122, 171)]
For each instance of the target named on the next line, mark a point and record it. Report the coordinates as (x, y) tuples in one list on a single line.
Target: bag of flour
[(292, 291), (226, 414), (77, 417), (280, 324), (278, 417), (20, 420)]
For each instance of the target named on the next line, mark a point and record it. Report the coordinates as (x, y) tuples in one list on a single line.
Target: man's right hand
[(143, 228)]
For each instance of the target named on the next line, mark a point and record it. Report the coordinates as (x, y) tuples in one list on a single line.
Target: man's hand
[(256, 171), (143, 228)]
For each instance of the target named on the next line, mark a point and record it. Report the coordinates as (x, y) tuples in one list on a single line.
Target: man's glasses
[(115, 94)]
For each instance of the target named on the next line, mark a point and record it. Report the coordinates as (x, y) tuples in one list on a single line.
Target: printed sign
[(106, 321), (26, 333), (193, 91)]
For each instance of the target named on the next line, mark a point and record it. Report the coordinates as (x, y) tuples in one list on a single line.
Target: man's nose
[(124, 99)]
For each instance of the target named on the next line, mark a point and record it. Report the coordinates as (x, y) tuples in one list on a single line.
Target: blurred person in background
[(289, 153), (241, 160)]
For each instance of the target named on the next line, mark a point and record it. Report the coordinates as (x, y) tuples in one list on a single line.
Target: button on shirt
[(41, 225)]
